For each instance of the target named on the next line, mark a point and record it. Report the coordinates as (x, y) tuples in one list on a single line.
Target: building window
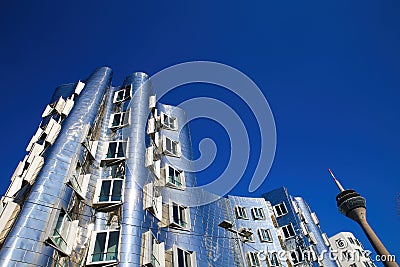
[(273, 259), (254, 260), (152, 200), (123, 95), (280, 209), (153, 251), (353, 265), (265, 235), (258, 213), (79, 181), (296, 256), (168, 122), (184, 258), (241, 212), (104, 247), (171, 148), (288, 231), (116, 150), (367, 264), (64, 233), (108, 191), (174, 177), (119, 120), (179, 216)]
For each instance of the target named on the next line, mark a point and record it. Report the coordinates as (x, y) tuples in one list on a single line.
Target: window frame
[(65, 232), (181, 174), (183, 211), (186, 253), (167, 152), (151, 246), (109, 201), (241, 212), (269, 238), (279, 211), (125, 95), (253, 259), (123, 121), (298, 256), (152, 203), (257, 216), (121, 155), (92, 247), (287, 226), (273, 259), (167, 125)]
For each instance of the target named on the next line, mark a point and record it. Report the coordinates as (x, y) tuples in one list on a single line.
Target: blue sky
[(329, 69)]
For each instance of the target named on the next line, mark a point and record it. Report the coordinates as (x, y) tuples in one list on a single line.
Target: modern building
[(350, 251), (300, 230), (103, 183)]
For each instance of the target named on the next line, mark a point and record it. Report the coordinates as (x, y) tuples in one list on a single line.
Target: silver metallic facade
[(103, 184), (300, 230)]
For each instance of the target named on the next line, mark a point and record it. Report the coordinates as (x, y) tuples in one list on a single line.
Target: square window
[(254, 260), (179, 216), (123, 95), (296, 256), (168, 122), (174, 177), (171, 148), (280, 209), (108, 191), (241, 212), (119, 120), (184, 258), (116, 151), (273, 259), (104, 247), (258, 213), (265, 235), (288, 231)]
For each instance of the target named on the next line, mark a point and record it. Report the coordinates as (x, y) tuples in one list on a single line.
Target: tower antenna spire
[(339, 185)]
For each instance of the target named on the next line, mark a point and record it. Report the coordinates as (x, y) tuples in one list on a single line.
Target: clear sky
[(329, 69)]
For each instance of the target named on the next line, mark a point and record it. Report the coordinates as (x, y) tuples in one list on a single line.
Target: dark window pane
[(99, 246), (105, 191), (117, 190)]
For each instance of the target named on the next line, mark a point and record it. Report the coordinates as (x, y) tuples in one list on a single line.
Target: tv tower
[(353, 205)]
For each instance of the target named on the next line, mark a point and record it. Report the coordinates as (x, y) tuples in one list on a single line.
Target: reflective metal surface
[(27, 244)]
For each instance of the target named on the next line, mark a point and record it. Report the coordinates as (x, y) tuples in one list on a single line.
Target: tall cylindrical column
[(386, 258)]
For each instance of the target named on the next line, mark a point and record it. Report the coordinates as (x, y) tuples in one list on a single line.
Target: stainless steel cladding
[(108, 181), (25, 245)]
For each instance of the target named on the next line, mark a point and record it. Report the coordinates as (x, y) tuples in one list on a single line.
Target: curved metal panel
[(136, 172), (50, 192)]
